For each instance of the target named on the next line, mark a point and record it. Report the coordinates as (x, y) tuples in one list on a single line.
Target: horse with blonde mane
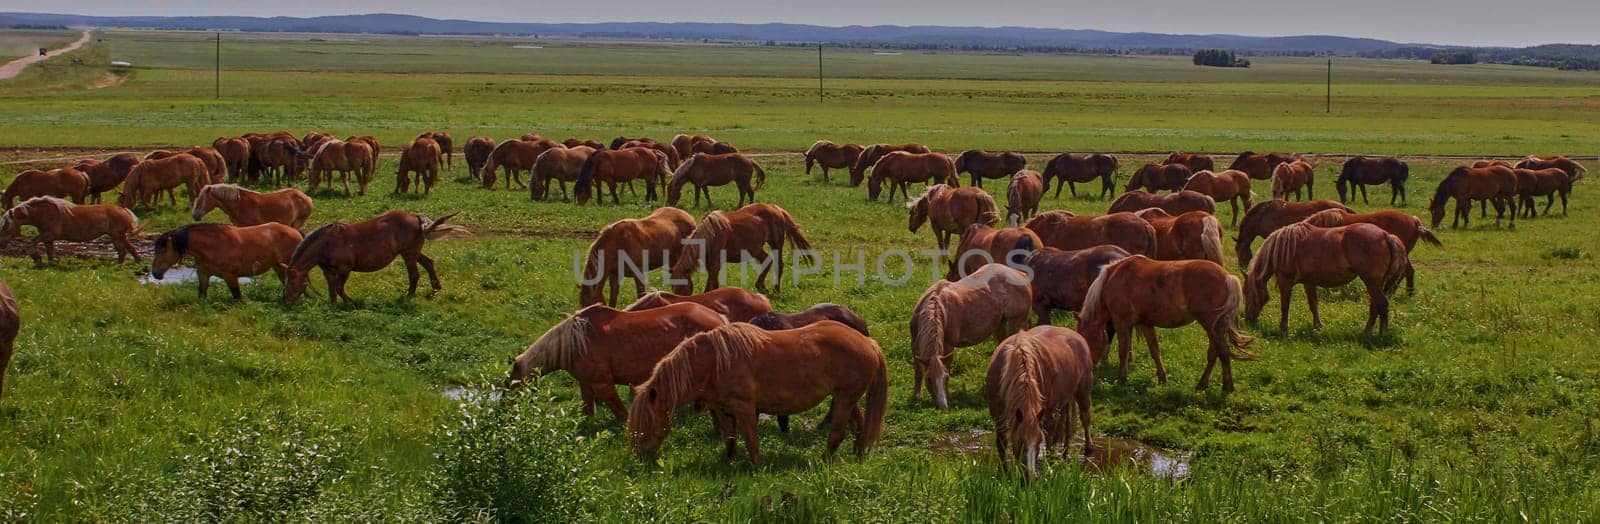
[(992, 302), (1176, 203), (1071, 169), (1195, 235), (705, 171), (950, 211), (735, 236), (832, 156), (1036, 379), (244, 207), (57, 219), (1023, 195), (1407, 228), (684, 145), (737, 304), (1326, 257), (1064, 230), (641, 245), (344, 157), (1264, 218), (871, 154), (1290, 177), (1061, 278), (900, 169), (983, 244), (367, 246), (61, 183), (1230, 186)]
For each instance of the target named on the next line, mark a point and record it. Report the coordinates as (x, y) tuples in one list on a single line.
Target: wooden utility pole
[(819, 73), (218, 71)]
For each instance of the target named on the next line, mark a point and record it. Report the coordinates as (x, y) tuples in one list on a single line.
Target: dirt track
[(15, 67)]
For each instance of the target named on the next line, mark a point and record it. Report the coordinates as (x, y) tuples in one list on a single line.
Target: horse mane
[(310, 240), (1326, 218), (682, 174), (729, 344), (1153, 212), (1091, 298), (926, 193), (1442, 194), (179, 238), (1019, 382), (654, 297), (561, 345), (713, 226), (818, 144), (320, 148), (1279, 250), (59, 205), (929, 318)]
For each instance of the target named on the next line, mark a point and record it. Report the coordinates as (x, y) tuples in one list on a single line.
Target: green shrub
[(514, 459)]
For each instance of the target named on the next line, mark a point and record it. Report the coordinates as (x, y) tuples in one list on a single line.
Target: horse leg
[(1235, 204), (1311, 302), (233, 286), (607, 394), (1124, 351), (1363, 188), (1071, 188), (613, 187), (1149, 334), (1000, 445), (335, 284), (587, 392), (1563, 205), (412, 275), (433, 277), (745, 419), (916, 383), (204, 281), (840, 415), (722, 423), (1285, 288), (713, 275)]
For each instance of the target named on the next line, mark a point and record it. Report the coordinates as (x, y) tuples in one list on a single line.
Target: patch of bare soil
[(96, 249)]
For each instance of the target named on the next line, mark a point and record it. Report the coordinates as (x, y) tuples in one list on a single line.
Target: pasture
[(127, 400)]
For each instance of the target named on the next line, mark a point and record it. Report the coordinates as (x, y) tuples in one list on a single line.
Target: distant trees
[(1218, 58), (1454, 58)]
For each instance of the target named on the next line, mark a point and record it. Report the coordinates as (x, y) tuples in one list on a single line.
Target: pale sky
[(1466, 22)]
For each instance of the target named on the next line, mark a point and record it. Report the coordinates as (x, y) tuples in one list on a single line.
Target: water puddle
[(182, 275), (527, 47), (458, 393), (1112, 453)]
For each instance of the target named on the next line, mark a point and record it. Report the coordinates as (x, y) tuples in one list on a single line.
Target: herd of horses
[(1154, 260)]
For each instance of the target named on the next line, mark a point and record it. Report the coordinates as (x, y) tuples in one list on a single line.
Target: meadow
[(130, 401)]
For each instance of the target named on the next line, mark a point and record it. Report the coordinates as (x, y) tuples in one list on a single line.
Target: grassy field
[(128, 400), (17, 43)]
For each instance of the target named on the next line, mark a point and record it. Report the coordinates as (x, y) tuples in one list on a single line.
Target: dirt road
[(15, 67)]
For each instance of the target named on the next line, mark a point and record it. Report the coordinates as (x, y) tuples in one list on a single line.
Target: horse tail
[(1280, 184), (797, 235), (1427, 234), (1399, 262), (988, 211), (437, 229), (1228, 322), (761, 176), (1211, 238), (877, 404)]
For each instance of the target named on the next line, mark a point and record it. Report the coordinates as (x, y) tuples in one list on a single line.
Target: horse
[(1326, 257), (1144, 294), (685, 144), (776, 321), (1264, 218), (514, 157), (340, 248), (1360, 171), (1261, 166), (1230, 186), (1160, 177), (1195, 235), (235, 154), (314, 139), (740, 371), (602, 348), (1196, 162), (993, 301), (831, 156), (1023, 195), (900, 169), (244, 207), (710, 148), (733, 236), (1064, 230), (149, 178), (673, 159), (585, 142), (1061, 278), (1574, 170), (980, 164), (477, 151), (1479, 164), (737, 304), (1491, 184), (630, 244), (871, 154), (446, 145), (950, 211), (707, 170), (1173, 203), (420, 156), (1291, 177), (344, 157), (10, 323), (106, 175), (1076, 169), (561, 165), (61, 183), (216, 164), (1407, 228), (57, 219), (982, 244), (278, 157), (617, 143), (1542, 182), (621, 165), (226, 251), (1036, 378)]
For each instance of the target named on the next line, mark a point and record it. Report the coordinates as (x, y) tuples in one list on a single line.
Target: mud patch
[(101, 249), (1111, 453)]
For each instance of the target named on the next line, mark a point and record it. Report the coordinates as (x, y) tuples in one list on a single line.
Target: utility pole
[(1329, 97), (819, 73), (218, 71)]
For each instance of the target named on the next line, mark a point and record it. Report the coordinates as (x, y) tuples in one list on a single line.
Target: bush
[(1454, 58), (514, 459), (1219, 58)]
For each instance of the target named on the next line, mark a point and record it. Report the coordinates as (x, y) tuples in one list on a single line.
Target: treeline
[(1570, 57), (37, 27), (1219, 58)]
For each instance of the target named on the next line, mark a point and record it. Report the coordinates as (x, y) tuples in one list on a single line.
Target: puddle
[(527, 47), (1113, 453), (459, 393), (182, 275)]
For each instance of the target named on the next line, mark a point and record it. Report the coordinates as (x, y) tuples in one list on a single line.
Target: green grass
[(18, 43)]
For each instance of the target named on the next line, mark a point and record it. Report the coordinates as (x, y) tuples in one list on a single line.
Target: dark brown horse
[(447, 145), (673, 160), (1575, 171), (244, 207), (950, 211), (705, 171), (1360, 171), (108, 174), (235, 154), (1073, 169), (1264, 218), (10, 323), (1496, 185), (477, 152), (1326, 257), (774, 321), (1230, 186), (1160, 177), (982, 245), (514, 157), (992, 302), (1037, 379), (226, 251), (614, 166), (1064, 230), (1407, 228), (632, 248), (586, 142), (61, 183), (1196, 162), (57, 219), (1023, 195), (559, 165), (1260, 166), (340, 248), (1542, 182), (832, 156), (1291, 177), (1195, 235), (1061, 278), (982, 164), (420, 157), (734, 236), (1173, 203), (737, 304), (872, 153), (900, 169)]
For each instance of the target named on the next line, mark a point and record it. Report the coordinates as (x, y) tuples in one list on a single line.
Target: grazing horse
[(1036, 379), (1160, 177), (982, 164), (1144, 294), (340, 248), (707, 170), (106, 175), (1542, 182), (560, 165), (244, 207), (638, 244), (673, 160), (710, 148), (737, 304), (832, 156), (1061, 278), (872, 153), (216, 166), (344, 157), (1196, 162), (1230, 186), (477, 153), (10, 323), (1574, 170), (900, 169), (1264, 218), (586, 142), (993, 301), (603, 348), (57, 219), (613, 166), (226, 251), (1407, 228), (1064, 230), (1360, 171), (1023, 195), (1496, 184), (420, 156), (1291, 177), (514, 157), (314, 139), (278, 158), (149, 178), (1078, 169), (235, 154), (734, 236), (1326, 257), (446, 145), (982, 245), (1173, 203), (950, 211), (1260, 166), (740, 371), (774, 321), (61, 183), (1195, 235), (685, 144)]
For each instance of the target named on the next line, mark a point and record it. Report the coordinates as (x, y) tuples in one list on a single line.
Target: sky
[(1461, 22)]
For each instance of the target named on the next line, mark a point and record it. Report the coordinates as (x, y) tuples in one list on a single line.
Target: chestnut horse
[(1195, 235), (734, 236), (1326, 257), (1360, 171), (737, 304), (980, 164), (106, 175), (707, 170), (621, 165), (340, 248), (585, 142), (1291, 177), (1078, 169), (1496, 184), (641, 245), (832, 156), (1542, 182), (1231, 186), (872, 153), (1264, 218), (216, 165), (278, 158), (226, 251), (344, 157), (1061, 278), (446, 145), (477, 153), (1023, 195), (710, 148), (10, 323), (1036, 379), (982, 245), (1407, 228), (57, 219), (61, 183), (1574, 170), (774, 321), (604, 347), (1144, 294), (1160, 177), (685, 144), (993, 301), (514, 157), (1260, 166), (420, 156), (1173, 203), (244, 207), (235, 154), (1196, 162), (560, 165), (673, 160), (740, 371), (1064, 230), (149, 178), (950, 211), (900, 169)]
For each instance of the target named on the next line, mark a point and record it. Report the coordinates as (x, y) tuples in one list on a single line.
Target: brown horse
[(993, 301), (685, 144), (735, 236), (560, 165), (1360, 171), (57, 219), (277, 157), (1326, 257), (1196, 162), (216, 164), (900, 169), (372, 143), (1575, 171), (1260, 166), (980, 164), (1064, 230), (1036, 378), (244, 207), (235, 154), (314, 139), (614, 166), (1173, 203), (705, 171), (632, 247), (775, 321), (1079, 169), (1195, 235), (446, 145), (340, 248), (344, 157), (1144, 294), (604, 347), (982, 245), (10, 323), (585, 142), (1230, 186), (1023, 195), (950, 211), (514, 157), (106, 175), (226, 251), (1291, 177), (1542, 182), (1160, 177), (872, 153), (740, 371), (1478, 164), (1496, 184), (737, 304), (1407, 228), (1061, 278), (832, 156), (710, 148), (477, 152), (61, 183), (420, 156), (673, 160), (149, 178), (1264, 218)]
